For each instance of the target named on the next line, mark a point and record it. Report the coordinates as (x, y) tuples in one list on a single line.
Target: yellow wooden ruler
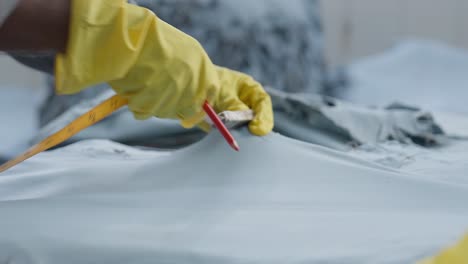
[(95, 115)]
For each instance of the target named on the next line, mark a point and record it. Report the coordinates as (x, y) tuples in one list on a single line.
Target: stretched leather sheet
[(277, 201)]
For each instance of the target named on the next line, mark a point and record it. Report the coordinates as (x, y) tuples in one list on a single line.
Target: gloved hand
[(160, 70), (241, 92)]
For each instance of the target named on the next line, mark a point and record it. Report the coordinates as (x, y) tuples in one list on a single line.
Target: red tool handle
[(220, 126)]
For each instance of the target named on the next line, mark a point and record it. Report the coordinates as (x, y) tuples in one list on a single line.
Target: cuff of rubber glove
[(94, 27), (66, 81)]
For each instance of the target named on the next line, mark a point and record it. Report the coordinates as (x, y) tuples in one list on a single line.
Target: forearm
[(36, 25)]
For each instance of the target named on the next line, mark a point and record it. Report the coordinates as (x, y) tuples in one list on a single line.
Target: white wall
[(356, 28)]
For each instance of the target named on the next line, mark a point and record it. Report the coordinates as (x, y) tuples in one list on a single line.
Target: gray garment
[(330, 122), (55, 105), (43, 61), (308, 117), (121, 126)]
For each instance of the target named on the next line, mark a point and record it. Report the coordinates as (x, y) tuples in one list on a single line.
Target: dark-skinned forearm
[(36, 25)]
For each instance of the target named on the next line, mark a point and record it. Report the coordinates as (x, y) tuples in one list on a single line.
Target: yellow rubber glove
[(455, 255), (161, 71)]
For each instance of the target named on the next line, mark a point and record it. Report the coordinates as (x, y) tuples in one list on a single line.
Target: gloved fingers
[(193, 120), (227, 104), (204, 126), (427, 261), (257, 99), (263, 123), (230, 103)]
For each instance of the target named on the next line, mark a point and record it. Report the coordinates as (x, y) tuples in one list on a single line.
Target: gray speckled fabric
[(279, 46)]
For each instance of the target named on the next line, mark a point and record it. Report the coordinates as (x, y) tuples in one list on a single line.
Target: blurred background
[(353, 29), (357, 28), (370, 52)]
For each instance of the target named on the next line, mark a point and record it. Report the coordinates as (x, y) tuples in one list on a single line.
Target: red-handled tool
[(220, 126)]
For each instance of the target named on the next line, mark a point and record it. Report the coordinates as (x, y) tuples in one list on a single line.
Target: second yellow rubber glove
[(160, 70), (456, 255)]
